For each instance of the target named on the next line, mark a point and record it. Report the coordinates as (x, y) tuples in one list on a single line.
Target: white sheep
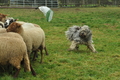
[(1, 24), (9, 20), (34, 37), (3, 30), (13, 50), (11, 34), (25, 25)]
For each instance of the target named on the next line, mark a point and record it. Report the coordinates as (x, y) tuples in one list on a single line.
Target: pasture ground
[(61, 64)]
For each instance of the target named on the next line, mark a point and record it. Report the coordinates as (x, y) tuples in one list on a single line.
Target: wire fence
[(58, 3), (28, 3), (33, 3)]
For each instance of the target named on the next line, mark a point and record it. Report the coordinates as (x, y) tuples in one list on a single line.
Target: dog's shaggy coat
[(80, 35)]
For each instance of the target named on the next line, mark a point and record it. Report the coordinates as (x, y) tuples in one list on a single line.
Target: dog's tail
[(71, 31)]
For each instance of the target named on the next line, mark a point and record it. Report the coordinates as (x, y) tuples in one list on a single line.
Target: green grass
[(61, 64)]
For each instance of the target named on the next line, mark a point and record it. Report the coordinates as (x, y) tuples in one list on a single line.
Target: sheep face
[(14, 27), (2, 17), (9, 21)]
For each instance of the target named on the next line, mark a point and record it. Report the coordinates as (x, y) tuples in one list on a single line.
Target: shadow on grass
[(81, 51), (4, 70)]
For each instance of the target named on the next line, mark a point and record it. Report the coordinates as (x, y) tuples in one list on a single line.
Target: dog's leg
[(73, 46), (77, 47), (91, 47)]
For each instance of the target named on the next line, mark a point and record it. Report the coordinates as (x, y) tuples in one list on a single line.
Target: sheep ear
[(18, 25), (4, 15), (16, 19)]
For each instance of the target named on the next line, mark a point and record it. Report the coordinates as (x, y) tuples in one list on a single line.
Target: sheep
[(9, 20), (13, 50), (2, 17), (3, 30), (2, 20), (1, 24), (34, 37), (25, 26)]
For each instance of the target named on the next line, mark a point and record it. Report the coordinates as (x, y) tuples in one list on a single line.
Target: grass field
[(61, 64)]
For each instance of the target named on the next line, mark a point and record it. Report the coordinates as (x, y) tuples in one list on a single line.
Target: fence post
[(98, 2)]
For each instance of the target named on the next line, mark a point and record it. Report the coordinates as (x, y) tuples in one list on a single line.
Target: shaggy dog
[(80, 35)]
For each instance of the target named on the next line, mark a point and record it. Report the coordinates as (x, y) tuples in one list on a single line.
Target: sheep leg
[(41, 51), (32, 70), (34, 56), (16, 74), (15, 62), (41, 61), (26, 62), (46, 51)]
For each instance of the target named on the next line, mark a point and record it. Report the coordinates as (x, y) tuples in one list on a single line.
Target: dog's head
[(85, 32)]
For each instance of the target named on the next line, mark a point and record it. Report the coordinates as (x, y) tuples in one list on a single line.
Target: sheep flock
[(18, 40)]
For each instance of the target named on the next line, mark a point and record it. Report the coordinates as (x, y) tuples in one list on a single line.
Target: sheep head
[(9, 21), (2, 17), (14, 27)]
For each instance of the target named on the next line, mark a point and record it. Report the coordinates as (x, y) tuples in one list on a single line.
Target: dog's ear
[(78, 28), (89, 34)]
